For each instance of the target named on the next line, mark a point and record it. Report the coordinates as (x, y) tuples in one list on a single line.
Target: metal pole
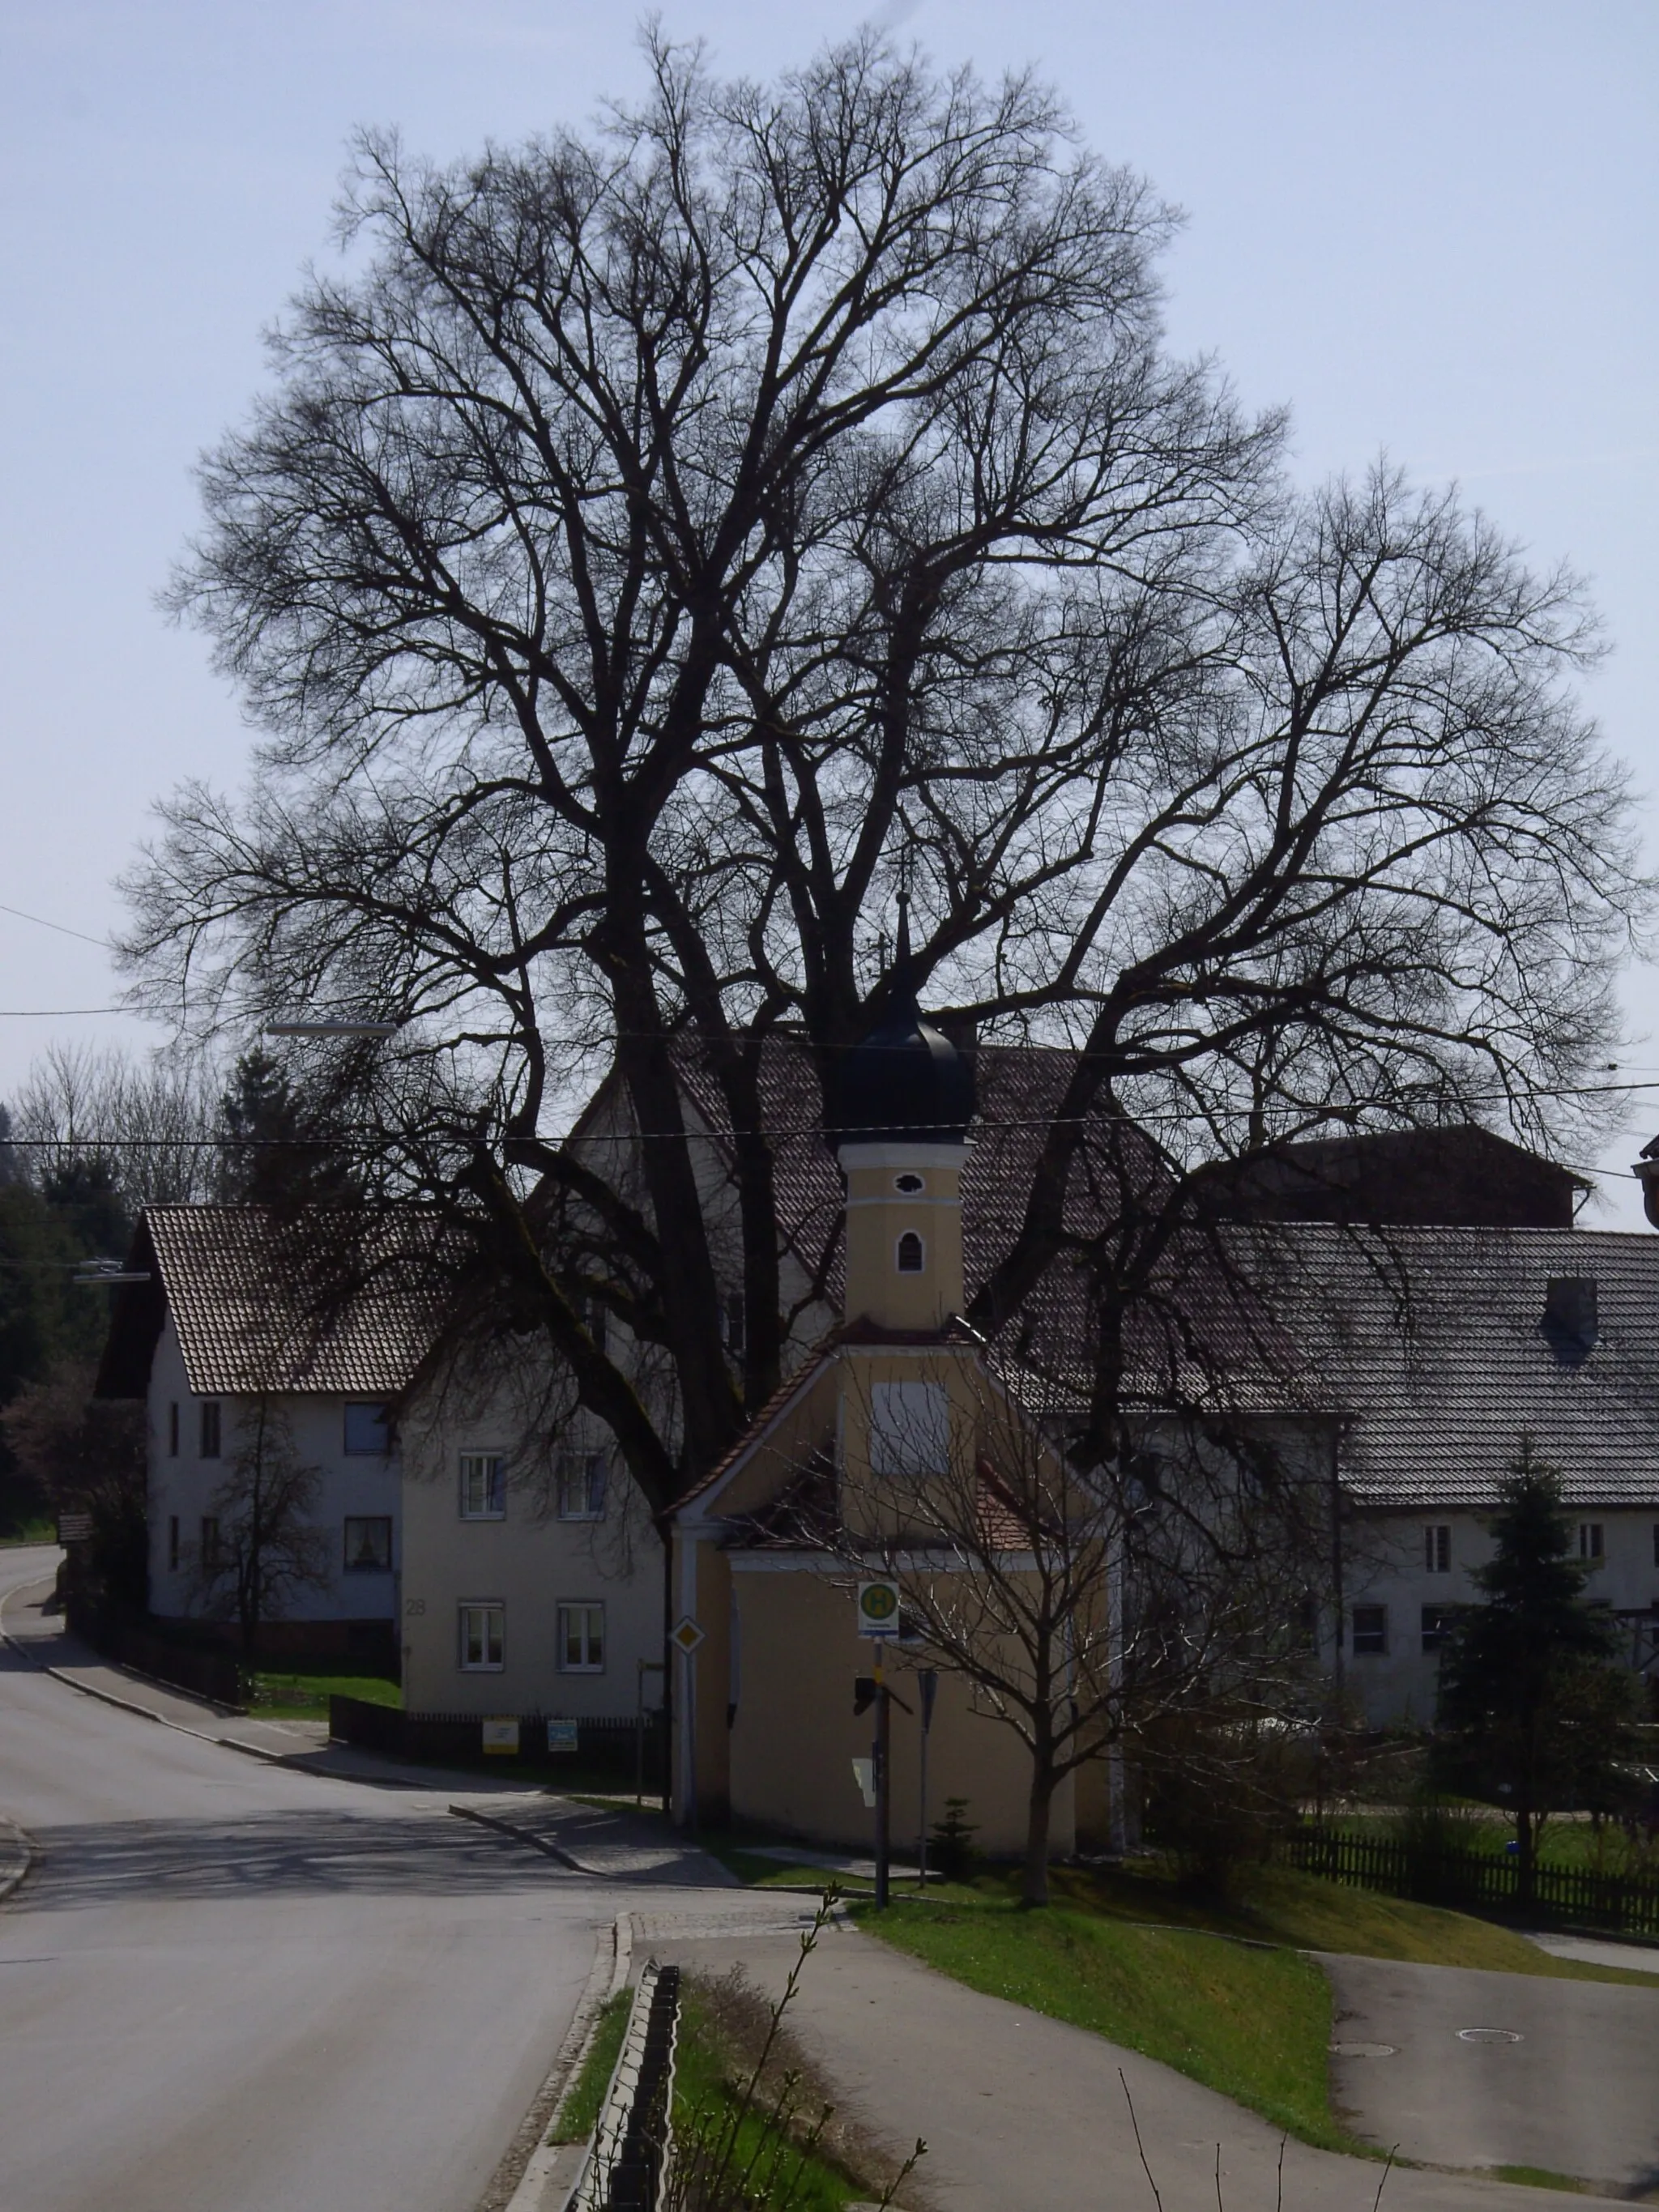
[(883, 1794), (929, 1685)]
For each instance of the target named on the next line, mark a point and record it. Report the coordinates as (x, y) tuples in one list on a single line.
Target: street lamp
[(327, 1029)]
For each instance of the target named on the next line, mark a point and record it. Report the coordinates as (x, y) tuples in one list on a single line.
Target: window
[(173, 1541), (369, 1544), (581, 1639), (172, 1436), (212, 1558), (483, 1639), (1436, 1549), (909, 1428), (483, 1486), (210, 1429), (1590, 1541), (908, 1184), (1371, 1630), (581, 1486), (369, 1430), (1656, 1543), (909, 1253), (1437, 1619), (594, 1320), (734, 1323)]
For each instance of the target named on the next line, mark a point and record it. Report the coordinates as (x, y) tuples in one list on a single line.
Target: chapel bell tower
[(897, 1122)]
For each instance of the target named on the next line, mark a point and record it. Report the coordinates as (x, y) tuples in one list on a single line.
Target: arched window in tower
[(909, 1253)]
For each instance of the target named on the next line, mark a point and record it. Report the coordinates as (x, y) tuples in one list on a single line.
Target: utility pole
[(883, 1785)]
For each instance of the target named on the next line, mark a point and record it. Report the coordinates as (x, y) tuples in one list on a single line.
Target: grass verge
[(579, 2108), (786, 2146), (299, 1691), (1252, 2022)]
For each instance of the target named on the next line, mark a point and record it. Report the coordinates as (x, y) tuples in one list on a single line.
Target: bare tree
[(148, 1124), (654, 539), (261, 1546)]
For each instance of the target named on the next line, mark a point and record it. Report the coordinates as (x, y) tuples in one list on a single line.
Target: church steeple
[(898, 1123)]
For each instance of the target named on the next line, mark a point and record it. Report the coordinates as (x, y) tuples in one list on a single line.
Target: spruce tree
[(1535, 1706)]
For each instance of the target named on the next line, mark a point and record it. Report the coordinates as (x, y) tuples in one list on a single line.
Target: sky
[(1430, 230)]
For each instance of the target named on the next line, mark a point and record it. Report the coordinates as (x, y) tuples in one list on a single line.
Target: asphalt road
[(227, 1986), (1502, 2069)]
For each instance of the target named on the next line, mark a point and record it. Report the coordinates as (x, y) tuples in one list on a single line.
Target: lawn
[(301, 1691), (1129, 1954)]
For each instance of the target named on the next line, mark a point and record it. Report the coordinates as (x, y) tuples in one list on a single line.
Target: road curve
[(228, 1987)]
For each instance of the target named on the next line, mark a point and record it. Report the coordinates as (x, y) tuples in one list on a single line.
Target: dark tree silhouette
[(655, 539), (1535, 1703)]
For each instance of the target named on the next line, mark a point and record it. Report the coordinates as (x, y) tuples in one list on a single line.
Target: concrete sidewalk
[(615, 1843), (1024, 2114), (38, 1636)]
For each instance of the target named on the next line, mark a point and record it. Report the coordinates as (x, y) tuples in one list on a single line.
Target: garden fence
[(1481, 1881)]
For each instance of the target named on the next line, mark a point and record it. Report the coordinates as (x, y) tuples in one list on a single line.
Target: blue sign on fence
[(562, 1735)]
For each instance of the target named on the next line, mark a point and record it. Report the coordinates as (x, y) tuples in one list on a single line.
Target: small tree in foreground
[(1535, 1705), (261, 1545)]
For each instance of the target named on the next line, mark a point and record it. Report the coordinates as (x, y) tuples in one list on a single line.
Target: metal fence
[(1481, 1882)]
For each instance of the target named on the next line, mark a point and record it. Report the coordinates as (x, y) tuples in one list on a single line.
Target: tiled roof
[(231, 1278), (1432, 1345)]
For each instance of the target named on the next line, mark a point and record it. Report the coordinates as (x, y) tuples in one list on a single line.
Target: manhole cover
[(1487, 2035), (1362, 2050)]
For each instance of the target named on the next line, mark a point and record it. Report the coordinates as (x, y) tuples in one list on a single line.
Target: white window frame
[(495, 1489), (1437, 1547), (586, 1475), (1592, 1542), (1434, 1631), (589, 1608), (481, 1609)]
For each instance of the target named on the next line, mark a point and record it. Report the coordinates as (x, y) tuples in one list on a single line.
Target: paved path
[(229, 1987), (1575, 2092), (1024, 2114)]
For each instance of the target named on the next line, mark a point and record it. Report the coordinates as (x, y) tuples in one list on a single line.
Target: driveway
[(226, 1987), (1501, 2069)]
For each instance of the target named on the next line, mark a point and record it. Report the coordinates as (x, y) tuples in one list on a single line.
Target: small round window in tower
[(909, 1184), (909, 1253)]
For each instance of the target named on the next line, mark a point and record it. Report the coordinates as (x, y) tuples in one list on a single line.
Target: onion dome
[(905, 1082)]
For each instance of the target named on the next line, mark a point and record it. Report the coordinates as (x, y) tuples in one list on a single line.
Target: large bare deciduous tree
[(653, 538)]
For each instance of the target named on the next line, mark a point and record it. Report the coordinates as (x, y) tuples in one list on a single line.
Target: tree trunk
[(1034, 1884)]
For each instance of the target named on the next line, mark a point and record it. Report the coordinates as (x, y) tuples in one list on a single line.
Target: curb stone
[(541, 2178)]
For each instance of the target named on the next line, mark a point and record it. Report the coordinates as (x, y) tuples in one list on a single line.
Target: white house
[(211, 1335), (1439, 1348)]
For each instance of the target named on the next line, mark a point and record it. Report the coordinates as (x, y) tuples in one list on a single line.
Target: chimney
[(1570, 1311), (1646, 1171)]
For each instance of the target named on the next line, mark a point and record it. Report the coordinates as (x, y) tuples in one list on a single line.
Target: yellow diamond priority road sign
[(685, 1635), (878, 1611)]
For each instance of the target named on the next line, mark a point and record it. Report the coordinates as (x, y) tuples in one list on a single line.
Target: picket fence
[(1479, 1881)]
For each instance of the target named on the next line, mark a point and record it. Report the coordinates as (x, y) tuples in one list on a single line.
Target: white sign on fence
[(501, 1737)]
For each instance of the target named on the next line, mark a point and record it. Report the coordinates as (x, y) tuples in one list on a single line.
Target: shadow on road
[(275, 1855)]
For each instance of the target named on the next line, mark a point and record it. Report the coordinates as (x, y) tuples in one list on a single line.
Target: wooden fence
[(1479, 1882)]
